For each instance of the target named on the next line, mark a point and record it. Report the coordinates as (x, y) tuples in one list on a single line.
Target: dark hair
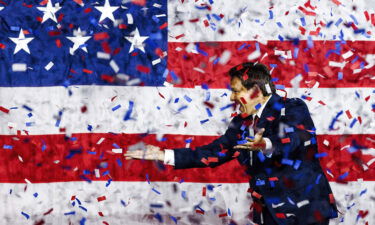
[(252, 74)]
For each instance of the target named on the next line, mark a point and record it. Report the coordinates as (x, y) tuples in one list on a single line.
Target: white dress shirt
[(169, 153)]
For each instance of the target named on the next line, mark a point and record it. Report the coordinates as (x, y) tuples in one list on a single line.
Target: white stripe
[(138, 197), (46, 102), (250, 20)]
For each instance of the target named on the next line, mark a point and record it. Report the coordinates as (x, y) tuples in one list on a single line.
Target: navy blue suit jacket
[(289, 177)]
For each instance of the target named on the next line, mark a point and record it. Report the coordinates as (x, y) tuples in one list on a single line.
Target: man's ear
[(255, 92)]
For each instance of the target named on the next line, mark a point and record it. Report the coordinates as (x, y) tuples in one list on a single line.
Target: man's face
[(246, 99)]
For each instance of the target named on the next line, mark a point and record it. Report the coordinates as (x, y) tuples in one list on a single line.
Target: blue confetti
[(156, 205), (7, 146), (257, 47), (83, 208), (130, 110), (116, 107), (108, 182), (241, 142), (123, 202), (226, 107), (187, 98), (216, 60), (295, 52), (208, 112), (343, 176), (27, 108), (183, 195), (82, 221), (297, 164), (271, 14), (70, 213), (279, 25), (287, 161), (35, 194), (174, 219), (204, 121), (29, 114), (260, 182), (338, 22), (275, 79), (353, 122), (273, 65), (89, 127), (119, 162), (25, 215), (318, 179), (354, 19), (363, 192), (176, 100), (280, 37), (241, 47), (156, 191), (335, 119), (340, 75), (158, 217), (257, 107), (289, 129), (321, 155), (303, 22), (189, 140), (261, 156), (148, 178), (279, 86), (182, 108)]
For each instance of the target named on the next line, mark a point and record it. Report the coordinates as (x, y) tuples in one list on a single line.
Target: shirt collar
[(259, 112)]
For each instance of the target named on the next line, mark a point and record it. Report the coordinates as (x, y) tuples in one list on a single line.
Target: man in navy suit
[(275, 138)]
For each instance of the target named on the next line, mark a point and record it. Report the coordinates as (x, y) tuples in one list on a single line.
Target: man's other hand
[(150, 153), (257, 144)]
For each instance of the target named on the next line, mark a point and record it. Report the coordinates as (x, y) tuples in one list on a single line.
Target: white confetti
[(117, 150), (253, 55), (100, 141), (49, 66), (130, 18), (326, 143), (103, 55), (224, 58), (347, 54), (19, 67), (97, 173), (27, 181), (114, 66), (156, 61), (302, 203)]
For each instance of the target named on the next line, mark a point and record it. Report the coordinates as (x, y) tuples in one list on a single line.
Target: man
[(287, 183)]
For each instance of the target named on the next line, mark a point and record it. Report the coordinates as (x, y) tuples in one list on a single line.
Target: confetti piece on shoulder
[(101, 198)]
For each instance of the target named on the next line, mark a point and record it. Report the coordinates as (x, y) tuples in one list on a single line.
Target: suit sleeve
[(211, 155), (294, 129)]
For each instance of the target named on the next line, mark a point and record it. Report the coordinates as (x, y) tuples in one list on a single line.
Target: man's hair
[(252, 74)]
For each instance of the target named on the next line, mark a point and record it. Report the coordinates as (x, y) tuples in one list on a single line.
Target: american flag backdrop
[(83, 81)]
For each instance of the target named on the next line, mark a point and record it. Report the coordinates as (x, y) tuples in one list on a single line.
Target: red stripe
[(183, 63), (39, 166)]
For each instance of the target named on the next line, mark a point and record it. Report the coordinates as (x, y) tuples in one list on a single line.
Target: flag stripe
[(102, 109), (328, 63), (197, 21), (137, 203), (57, 158)]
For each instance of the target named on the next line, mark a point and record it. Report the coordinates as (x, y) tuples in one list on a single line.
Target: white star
[(107, 11), (21, 42), (49, 11), (137, 41), (78, 41)]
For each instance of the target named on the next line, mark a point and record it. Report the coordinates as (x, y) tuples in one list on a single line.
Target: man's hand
[(150, 153), (253, 145)]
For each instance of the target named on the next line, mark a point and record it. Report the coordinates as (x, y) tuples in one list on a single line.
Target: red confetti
[(336, 2), (199, 211), (243, 100), (359, 119), (101, 198), (39, 19), (164, 25), (79, 2), (209, 104), (58, 43), (139, 2), (321, 102), (367, 98), (233, 114), (48, 212), (108, 78), (87, 71), (179, 23), (87, 10), (367, 16), (143, 69), (61, 16), (54, 33), (27, 6), (205, 161), (256, 195), (316, 32), (244, 115), (204, 189), (280, 215), (100, 214), (270, 118), (348, 114), (185, 124), (307, 13), (285, 140), (331, 198), (362, 213), (134, 54), (2, 46), (194, 20), (122, 26), (101, 36), (4, 109), (273, 179), (254, 94), (206, 24), (73, 198), (213, 159), (236, 154), (116, 51), (83, 109), (105, 222), (44, 2), (106, 47), (223, 215), (302, 29), (161, 95), (180, 36)]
